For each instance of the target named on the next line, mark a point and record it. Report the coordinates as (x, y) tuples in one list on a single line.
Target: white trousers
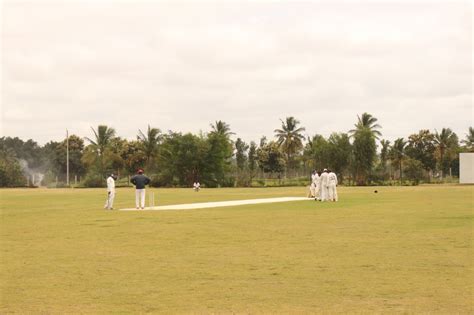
[(109, 202), (312, 191), (324, 193), (140, 198), (332, 192)]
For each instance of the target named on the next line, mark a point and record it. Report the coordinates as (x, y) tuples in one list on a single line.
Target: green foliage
[(397, 153), (364, 153), (340, 150), (150, 143), (10, 170), (421, 147), (252, 157), (93, 179), (240, 153), (413, 170), (447, 145), (290, 139), (468, 141), (270, 158), (182, 160), (317, 152)]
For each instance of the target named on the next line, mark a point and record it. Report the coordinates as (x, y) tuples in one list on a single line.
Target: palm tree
[(398, 153), (150, 142), (384, 153), (103, 135), (444, 141), (221, 128), (469, 141), (367, 121), (289, 137)]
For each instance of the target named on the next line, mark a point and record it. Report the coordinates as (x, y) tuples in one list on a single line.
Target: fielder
[(312, 186), (317, 183), (196, 186), (109, 202), (332, 191), (324, 185), (140, 181)]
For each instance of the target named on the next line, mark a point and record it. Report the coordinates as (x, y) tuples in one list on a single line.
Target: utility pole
[(67, 158)]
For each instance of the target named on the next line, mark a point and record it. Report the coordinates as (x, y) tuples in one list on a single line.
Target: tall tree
[(364, 153), (340, 150), (384, 152), (252, 158), (446, 143), (421, 147), (290, 139), (271, 158), (150, 142), (469, 140), (240, 153), (98, 146), (367, 122), (76, 149), (222, 129), (398, 153)]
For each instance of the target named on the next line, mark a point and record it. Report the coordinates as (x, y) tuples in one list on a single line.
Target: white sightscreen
[(466, 168)]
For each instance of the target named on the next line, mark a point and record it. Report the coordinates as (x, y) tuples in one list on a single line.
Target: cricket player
[(332, 180), (317, 189), (324, 185), (140, 181), (312, 186), (196, 186), (109, 202)]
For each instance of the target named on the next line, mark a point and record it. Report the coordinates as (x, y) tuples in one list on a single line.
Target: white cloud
[(183, 66)]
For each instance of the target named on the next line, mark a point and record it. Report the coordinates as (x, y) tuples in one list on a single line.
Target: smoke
[(34, 177)]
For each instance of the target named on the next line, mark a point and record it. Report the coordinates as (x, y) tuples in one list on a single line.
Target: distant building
[(466, 168)]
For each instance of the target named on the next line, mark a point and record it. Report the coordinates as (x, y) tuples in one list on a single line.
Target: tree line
[(173, 159)]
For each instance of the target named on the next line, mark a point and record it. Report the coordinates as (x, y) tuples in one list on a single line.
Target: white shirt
[(110, 184), (332, 178), (324, 179), (315, 178)]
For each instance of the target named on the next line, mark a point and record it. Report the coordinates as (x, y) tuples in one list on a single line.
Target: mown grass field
[(405, 249)]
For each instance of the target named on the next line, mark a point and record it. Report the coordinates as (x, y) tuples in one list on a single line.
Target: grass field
[(405, 249)]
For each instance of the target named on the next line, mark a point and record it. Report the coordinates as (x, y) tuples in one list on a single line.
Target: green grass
[(405, 249)]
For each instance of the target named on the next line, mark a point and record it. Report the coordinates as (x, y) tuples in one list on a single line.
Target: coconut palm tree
[(289, 137), (221, 128), (469, 141), (384, 153), (103, 135), (398, 153), (367, 121), (444, 141), (150, 142), (103, 138)]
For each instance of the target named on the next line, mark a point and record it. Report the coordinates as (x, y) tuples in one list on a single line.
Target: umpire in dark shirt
[(140, 181)]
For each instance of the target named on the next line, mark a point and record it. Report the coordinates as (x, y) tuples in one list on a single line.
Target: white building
[(466, 168)]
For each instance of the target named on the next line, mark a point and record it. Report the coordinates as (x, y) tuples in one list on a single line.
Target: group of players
[(323, 186)]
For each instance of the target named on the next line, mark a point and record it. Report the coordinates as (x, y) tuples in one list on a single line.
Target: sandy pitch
[(230, 203)]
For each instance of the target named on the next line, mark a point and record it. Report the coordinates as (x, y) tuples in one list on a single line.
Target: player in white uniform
[(332, 183), (109, 203), (324, 185)]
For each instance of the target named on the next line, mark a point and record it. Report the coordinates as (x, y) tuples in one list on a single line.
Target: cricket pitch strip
[(230, 203)]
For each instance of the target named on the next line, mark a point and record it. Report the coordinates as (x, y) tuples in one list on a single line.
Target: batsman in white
[(109, 202), (332, 180)]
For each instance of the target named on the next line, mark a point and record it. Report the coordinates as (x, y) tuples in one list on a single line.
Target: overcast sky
[(183, 66)]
